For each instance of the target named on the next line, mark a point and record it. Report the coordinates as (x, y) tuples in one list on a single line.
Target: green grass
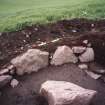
[(15, 14)]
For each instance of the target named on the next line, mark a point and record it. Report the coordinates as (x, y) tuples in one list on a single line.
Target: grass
[(16, 14)]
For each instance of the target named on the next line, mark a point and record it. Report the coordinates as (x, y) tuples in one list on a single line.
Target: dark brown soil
[(25, 92), (70, 32)]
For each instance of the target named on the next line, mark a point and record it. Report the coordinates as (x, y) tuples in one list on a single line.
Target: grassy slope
[(15, 14)]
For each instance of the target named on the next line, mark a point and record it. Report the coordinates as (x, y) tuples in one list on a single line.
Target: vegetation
[(15, 14)]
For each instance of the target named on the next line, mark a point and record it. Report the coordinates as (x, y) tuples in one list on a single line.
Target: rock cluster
[(7, 76), (34, 60)]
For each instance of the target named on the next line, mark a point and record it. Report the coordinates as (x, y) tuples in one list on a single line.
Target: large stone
[(65, 93), (87, 56), (4, 79), (62, 55), (93, 75), (31, 61)]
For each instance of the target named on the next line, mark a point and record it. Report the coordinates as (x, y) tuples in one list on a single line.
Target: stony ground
[(24, 93)]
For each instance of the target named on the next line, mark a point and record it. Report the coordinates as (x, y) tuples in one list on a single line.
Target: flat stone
[(83, 66), (31, 61), (4, 79), (4, 71), (63, 55), (66, 93)]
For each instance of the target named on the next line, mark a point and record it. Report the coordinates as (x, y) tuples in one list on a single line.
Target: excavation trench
[(48, 38)]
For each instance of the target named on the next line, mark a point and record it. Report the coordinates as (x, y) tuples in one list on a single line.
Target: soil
[(70, 32)]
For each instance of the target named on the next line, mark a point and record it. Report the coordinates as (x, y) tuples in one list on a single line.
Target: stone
[(100, 71), (10, 67), (30, 61), (66, 93), (83, 66), (85, 41), (4, 79), (87, 56), (56, 40), (74, 31), (63, 55), (93, 75), (78, 49), (14, 83), (4, 71)]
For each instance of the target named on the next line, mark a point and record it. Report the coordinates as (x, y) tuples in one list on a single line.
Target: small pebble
[(93, 75), (0, 34), (92, 25), (83, 66), (4, 71), (85, 41), (24, 40), (36, 29), (27, 36), (22, 48), (74, 31), (53, 41), (14, 83), (10, 67)]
